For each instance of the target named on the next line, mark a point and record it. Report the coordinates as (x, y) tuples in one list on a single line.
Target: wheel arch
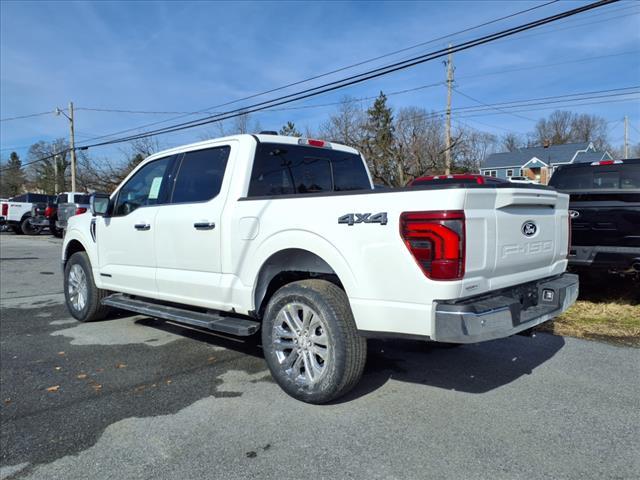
[(289, 265), (73, 246)]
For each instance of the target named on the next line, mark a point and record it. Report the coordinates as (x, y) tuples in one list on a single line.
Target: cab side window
[(144, 188), (200, 175)]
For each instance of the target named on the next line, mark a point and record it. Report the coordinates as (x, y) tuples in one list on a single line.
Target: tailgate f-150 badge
[(353, 218)]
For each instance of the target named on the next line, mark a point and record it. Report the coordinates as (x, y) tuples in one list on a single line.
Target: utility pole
[(626, 137), (73, 148), (55, 173), (447, 152), (72, 143)]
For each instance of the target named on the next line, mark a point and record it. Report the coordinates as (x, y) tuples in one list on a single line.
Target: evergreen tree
[(12, 176), (289, 130), (380, 145)]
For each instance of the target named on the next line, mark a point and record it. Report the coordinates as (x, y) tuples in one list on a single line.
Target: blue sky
[(188, 56)]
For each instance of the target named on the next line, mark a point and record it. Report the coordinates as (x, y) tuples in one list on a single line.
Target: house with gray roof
[(539, 163)]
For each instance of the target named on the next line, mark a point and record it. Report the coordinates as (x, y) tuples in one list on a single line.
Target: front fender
[(78, 232)]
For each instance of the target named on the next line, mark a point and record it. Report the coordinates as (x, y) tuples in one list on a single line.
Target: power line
[(361, 99), (42, 159), (331, 86), (491, 106), (348, 67), (31, 115), (555, 106), (611, 91), (358, 78)]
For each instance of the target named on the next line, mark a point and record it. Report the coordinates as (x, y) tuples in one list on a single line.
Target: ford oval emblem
[(529, 229), (574, 213)]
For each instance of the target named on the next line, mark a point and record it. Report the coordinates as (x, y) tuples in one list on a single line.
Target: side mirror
[(99, 204)]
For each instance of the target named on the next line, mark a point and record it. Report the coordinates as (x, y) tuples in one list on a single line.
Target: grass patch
[(608, 308)]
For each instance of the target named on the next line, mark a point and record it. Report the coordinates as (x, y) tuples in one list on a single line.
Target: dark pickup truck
[(605, 214)]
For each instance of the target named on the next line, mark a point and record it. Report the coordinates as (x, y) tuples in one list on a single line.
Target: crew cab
[(605, 212), (288, 236), (18, 212)]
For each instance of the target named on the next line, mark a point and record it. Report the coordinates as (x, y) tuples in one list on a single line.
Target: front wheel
[(83, 298), (311, 343)]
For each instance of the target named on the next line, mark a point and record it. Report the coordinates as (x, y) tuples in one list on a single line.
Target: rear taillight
[(607, 162), (437, 242), (5, 209), (48, 212), (80, 210), (313, 143)]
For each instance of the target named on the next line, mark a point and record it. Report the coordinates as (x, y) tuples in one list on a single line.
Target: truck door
[(125, 239), (188, 233)]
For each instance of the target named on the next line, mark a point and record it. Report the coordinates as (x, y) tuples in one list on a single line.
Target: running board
[(211, 321)]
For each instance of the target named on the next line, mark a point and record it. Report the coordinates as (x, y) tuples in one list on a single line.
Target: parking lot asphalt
[(134, 397)]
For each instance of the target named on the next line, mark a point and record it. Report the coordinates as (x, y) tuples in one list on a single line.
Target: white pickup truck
[(17, 212), (288, 236)]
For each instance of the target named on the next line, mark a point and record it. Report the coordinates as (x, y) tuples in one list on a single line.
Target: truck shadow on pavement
[(476, 368)]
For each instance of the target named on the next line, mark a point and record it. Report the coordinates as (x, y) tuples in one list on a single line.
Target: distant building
[(539, 163)]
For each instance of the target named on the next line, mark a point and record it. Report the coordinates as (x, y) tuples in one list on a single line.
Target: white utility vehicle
[(288, 236)]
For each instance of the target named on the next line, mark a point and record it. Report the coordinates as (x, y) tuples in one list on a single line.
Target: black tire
[(56, 232), (28, 228), (92, 308), (346, 351), (16, 229)]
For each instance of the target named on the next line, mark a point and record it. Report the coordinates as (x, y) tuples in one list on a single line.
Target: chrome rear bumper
[(504, 312)]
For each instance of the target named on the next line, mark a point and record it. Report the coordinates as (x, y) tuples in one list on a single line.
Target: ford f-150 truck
[(605, 209), (289, 236)]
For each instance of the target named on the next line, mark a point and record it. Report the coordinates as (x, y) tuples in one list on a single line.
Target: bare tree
[(556, 129), (41, 176), (346, 125), (471, 149), (589, 128), (567, 127), (104, 175), (511, 142), (420, 142)]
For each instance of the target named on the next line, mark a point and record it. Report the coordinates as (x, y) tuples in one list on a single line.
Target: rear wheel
[(311, 343), (29, 228), (83, 298), (56, 232)]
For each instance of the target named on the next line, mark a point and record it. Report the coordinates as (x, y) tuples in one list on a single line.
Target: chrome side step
[(211, 321)]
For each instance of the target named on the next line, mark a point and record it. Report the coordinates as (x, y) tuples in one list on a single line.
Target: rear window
[(82, 199), (62, 198), (297, 169), (606, 177)]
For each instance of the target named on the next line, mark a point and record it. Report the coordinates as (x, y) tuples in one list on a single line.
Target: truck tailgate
[(606, 218), (514, 236)]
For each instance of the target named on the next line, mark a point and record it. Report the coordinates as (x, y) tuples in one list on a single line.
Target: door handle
[(142, 226), (204, 225)]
